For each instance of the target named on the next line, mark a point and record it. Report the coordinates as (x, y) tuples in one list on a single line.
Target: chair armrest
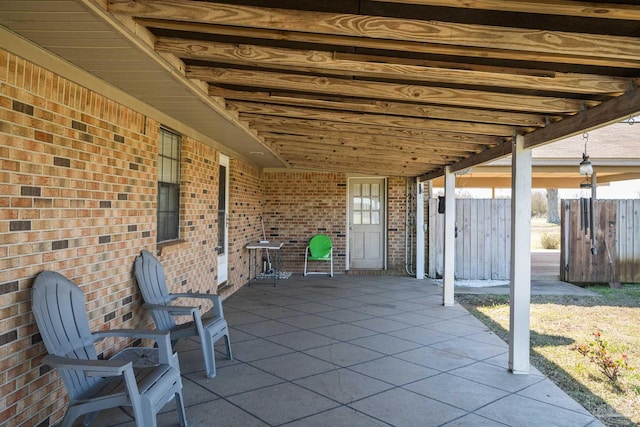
[(92, 368), (160, 337), (216, 301), (176, 310)]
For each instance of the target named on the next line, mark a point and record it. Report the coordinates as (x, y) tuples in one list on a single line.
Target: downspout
[(408, 230)]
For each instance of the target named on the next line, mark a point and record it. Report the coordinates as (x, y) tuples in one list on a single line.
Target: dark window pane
[(221, 219), (168, 211), (222, 208)]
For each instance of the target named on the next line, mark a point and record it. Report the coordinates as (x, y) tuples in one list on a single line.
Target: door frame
[(224, 161), (385, 188)]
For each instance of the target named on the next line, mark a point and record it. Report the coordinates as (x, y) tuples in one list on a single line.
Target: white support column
[(519, 335), (419, 229), (449, 237)]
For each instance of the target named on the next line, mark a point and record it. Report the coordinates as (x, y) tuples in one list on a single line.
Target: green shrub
[(550, 240)]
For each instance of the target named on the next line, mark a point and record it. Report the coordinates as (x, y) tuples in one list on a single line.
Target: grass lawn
[(559, 323)]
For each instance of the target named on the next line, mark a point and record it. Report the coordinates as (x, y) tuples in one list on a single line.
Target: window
[(222, 209), (366, 204), (168, 186)]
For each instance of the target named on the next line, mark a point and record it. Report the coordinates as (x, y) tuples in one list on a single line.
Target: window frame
[(168, 199)]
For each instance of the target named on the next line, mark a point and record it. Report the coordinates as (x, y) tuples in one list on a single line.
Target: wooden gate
[(628, 247), (617, 243), (483, 239)]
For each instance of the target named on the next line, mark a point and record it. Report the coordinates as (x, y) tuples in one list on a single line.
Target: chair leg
[(228, 343), (148, 418), (331, 262), (182, 417), (305, 266), (209, 356)]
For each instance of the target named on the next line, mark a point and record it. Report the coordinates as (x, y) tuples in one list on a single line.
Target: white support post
[(419, 229), (519, 335), (449, 238)]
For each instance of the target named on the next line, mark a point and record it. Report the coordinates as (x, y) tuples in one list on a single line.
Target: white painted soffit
[(71, 31)]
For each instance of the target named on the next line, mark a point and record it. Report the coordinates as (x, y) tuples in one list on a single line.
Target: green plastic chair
[(319, 248)]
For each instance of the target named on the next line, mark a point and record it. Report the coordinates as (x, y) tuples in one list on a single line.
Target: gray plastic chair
[(94, 385), (210, 327)]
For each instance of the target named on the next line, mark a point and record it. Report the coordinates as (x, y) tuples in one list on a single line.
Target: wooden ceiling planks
[(335, 90)]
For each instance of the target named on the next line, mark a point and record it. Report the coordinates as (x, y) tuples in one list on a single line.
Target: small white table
[(258, 247)]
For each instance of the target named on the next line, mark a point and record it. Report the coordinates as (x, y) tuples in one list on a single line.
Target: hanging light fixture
[(585, 168)]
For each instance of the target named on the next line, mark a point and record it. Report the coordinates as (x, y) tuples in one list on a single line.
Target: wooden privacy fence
[(483, 242), (617, 242)]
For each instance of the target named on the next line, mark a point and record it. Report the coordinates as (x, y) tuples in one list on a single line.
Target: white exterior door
[(223, 220), (366, 223)]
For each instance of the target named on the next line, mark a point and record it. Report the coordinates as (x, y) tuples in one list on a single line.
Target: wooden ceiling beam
[(326, 62), (390, 45), (387, 107), (372, 157), (402, 123), (362, 154), (622, 107), (356, 160), (390, 91), (249, 110), (485, 156), (348, 168), (348, 142), (579, 9), (436, 32), (321, 127)]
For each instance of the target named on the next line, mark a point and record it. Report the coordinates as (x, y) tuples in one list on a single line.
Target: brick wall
[(246, 204), (301, 204), (79, 187), (397, 218)]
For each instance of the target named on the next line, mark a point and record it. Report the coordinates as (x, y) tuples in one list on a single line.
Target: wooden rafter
[(443, 33), (383, 90), (391, 45), (364, 132), (387, 107), (414, 147), (304, 148), (460, 127), (251, 110), (325, 62), (550, 7), (394, 92)]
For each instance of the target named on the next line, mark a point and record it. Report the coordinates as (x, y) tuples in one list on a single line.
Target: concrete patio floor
[(359, 351)]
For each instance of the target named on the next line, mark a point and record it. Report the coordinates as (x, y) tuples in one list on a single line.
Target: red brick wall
[(79, 187)]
